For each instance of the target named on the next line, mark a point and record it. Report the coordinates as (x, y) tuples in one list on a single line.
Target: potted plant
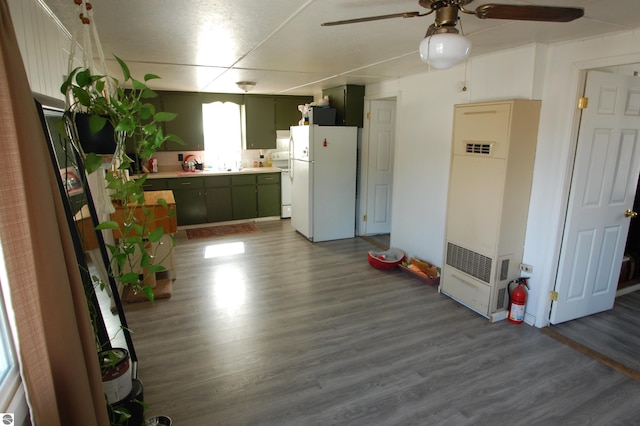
[(107, 103), (119, 112)]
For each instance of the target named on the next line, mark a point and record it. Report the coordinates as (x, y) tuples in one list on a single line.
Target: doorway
[(603, 188), (376, 168), (629, 280), (611, 335)]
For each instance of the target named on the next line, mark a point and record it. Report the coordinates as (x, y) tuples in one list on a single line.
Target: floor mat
[(222, 230)]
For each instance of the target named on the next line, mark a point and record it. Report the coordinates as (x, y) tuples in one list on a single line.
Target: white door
[(380, 167), (603, 187)]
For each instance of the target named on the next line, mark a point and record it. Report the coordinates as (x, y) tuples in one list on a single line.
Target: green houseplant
[(124, 107), (121, 110)]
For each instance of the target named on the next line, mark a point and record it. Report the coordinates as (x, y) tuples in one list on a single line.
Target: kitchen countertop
[(180, 173)]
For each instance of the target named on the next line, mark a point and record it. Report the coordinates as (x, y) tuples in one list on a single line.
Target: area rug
[(162, 290), (222, 230)]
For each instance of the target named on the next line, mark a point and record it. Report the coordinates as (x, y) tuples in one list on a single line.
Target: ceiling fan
[(444, 47)]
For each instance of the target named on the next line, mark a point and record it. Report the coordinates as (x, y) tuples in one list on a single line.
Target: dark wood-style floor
[(287, 332)]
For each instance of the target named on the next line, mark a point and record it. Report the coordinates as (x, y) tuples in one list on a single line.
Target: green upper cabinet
[(348, 100), (287, 113), (188, 124), (260, 122)]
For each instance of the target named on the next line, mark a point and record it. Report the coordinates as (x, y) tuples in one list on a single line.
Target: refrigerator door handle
[(291, 158)]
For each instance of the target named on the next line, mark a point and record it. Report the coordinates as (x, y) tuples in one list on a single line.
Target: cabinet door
[(260, 122), (191, 206), (219, 206), (269, 200), (188, 124), (245, 204), (287, 113), (348, 101)]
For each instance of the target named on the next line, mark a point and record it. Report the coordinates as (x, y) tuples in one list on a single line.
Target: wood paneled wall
[(44, 45)]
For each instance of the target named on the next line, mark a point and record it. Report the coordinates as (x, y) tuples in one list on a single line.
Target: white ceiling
[(208, 45)]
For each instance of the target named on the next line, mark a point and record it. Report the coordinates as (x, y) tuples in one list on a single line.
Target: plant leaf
[(148, 291), (145, 260), (156, 234), (125, 68), (175, 138), (138, 85), (68, 80), (109, 224), (96, 123), (156, 268), (164, 116), (148, 77), (83, 97), (129, 278), (148, 94), (83, 78), (92, 162)]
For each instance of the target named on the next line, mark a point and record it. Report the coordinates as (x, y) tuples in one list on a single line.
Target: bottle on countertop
[(269, 161), (261, 160)]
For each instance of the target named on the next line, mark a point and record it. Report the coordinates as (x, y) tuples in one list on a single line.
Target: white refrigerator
[(323, 181)]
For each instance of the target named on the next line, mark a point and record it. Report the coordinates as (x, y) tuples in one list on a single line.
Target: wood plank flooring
[(614, 334), (293, 333)]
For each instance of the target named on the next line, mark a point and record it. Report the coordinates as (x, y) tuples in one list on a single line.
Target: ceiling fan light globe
[(443, 51)]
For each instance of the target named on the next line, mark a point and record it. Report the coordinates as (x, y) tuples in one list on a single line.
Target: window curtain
[(58, 360)]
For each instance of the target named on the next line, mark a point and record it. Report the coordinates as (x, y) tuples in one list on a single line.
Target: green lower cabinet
[(245, 204), (212, 199), (191, 204), (219, 208), (155, 184), (268, 191), (268, 200)]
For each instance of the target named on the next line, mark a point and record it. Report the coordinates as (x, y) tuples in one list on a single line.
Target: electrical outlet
[(180, 157), (526, 268)]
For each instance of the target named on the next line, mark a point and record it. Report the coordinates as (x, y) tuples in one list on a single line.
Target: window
[(12, 397), (222, 125)]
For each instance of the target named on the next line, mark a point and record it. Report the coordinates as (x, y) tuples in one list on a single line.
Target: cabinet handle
[(268, 178), (185, 183)]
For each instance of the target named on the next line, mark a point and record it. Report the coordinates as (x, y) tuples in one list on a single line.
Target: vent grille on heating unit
[(479, 148), (470, 262)]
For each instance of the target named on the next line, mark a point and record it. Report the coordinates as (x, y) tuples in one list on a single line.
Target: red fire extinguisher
[(517, 300)]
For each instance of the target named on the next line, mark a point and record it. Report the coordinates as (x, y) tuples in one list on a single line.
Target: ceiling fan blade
[(374, 18), (528, 13)]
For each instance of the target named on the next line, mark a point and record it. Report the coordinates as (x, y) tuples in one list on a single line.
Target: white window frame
[(12, 393)]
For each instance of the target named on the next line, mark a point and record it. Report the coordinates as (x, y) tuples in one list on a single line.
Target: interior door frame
[(363, 156), (587, 66)]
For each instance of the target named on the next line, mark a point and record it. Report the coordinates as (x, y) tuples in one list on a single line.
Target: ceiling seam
[(256, 47)]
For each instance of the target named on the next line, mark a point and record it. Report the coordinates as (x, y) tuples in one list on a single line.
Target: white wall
[(43, 44), (423, 138), (425, 113)]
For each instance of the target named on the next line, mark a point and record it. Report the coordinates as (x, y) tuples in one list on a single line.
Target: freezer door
[(301, 197), (300, 143)]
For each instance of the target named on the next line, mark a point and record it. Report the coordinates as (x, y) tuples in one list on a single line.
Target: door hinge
[(583, 102), (368, 116), (364, 218), (553, 295)]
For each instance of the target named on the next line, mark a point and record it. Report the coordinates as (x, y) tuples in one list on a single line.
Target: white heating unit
[(494, 145)]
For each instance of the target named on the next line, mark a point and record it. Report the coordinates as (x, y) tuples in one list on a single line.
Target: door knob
[(630, 213)]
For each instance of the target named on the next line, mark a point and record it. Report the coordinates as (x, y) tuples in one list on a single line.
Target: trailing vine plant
[(124, 105)]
